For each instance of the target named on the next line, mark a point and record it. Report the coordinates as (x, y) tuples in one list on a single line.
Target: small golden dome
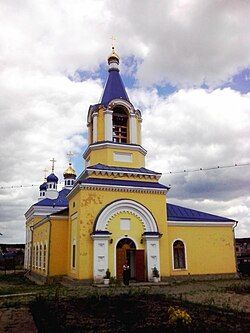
[(113, 56), (69, 171)]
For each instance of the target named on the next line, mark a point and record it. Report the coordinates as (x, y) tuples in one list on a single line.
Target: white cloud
[(193, 129), (42, 116)]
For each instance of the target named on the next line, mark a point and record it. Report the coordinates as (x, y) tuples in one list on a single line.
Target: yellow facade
[(209, 250), (105, 155)]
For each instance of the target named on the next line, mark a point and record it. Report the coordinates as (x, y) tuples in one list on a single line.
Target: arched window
[(179, 255), (120, 125)]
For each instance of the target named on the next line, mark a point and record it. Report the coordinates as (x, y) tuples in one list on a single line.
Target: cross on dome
[(70, 155), (53, 164)]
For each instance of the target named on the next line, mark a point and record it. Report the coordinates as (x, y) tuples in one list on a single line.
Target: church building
[(117, 210)]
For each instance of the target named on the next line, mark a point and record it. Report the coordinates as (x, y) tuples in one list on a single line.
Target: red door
[(120, 260), (139, 265)]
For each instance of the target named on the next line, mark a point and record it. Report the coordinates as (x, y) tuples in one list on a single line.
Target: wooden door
[(120, 260), (139, 265)]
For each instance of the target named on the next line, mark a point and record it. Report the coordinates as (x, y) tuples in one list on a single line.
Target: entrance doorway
[(126, 251)]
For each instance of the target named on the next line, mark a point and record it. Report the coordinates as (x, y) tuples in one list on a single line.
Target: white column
[(108, 123), (95, 114), (152, 254), (133, 129), (101, 243), (89, 134)]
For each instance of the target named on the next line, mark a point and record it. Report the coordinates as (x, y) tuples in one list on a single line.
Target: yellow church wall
[(209, 250), (93, 201), (134, 233), (40, 237), (58, 247), (106, 156)]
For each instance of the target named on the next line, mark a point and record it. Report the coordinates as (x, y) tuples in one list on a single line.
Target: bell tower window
[(120, 125)]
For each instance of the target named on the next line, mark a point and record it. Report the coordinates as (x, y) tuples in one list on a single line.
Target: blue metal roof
[(114, 88), (178, 213), (100, 166), (43, 187), (125, 183), (60, 201), (52, 178)]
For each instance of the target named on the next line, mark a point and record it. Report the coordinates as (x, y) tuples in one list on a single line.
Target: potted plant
[(106, 277), (156, 276)]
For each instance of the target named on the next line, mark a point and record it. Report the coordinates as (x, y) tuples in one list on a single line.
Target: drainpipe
[(48, 262), (235, 255)]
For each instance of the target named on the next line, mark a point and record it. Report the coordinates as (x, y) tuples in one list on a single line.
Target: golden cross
[(53, 164), (45, 173), (70, 155), (113, 41)]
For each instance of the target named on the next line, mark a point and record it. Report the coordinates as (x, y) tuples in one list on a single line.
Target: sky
[(186, 66)]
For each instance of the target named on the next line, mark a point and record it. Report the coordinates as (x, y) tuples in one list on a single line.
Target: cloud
[(193, 129), (185, 43), (42, 116)]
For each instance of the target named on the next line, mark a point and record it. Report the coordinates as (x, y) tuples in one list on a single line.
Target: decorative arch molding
[(121, 102), (127, 206)]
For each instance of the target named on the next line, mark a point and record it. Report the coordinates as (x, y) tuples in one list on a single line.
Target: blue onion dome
[(43, 187), (52, 178)]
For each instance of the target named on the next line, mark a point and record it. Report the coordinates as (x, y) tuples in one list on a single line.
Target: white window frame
[(185, 253)]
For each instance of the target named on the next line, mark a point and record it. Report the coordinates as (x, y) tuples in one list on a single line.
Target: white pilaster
[(95, 114), (108, 115), (153, 254), (89, 134), (133, 129), (101, 243)]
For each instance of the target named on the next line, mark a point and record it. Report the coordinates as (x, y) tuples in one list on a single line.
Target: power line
[(164, 173), (207, 168)]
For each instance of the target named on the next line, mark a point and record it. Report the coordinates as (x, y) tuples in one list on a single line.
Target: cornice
[(116, 188), (41, 211), (109, 144), (200, 224)]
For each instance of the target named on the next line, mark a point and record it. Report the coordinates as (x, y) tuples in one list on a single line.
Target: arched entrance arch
[(103, 239), (125, 205)]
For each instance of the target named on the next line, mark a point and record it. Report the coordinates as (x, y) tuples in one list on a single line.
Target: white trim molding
[(95, 115), (130, 206), (108, 144), (108, 127), (185, 255), (133, 129), (200, 224)]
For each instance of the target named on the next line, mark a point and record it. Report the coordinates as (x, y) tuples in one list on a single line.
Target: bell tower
[(114, 125)]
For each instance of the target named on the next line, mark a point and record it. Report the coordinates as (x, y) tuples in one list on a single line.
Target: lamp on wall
[(111, 241), (141, 241)]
